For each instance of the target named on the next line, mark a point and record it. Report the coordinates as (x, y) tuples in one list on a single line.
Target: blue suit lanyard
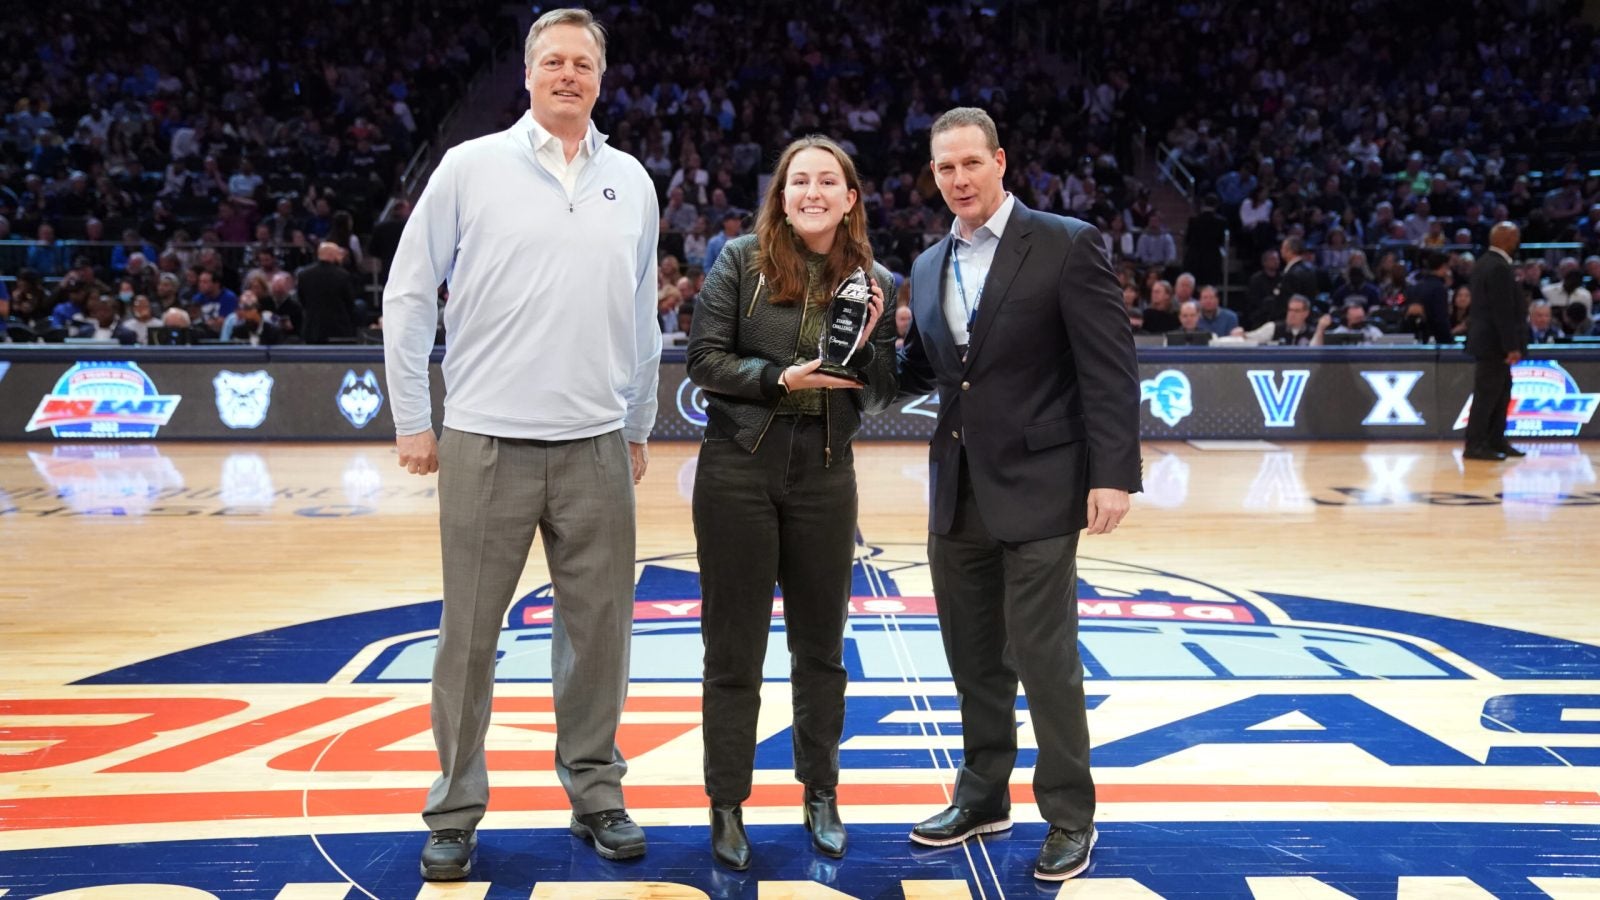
[(971, 308)]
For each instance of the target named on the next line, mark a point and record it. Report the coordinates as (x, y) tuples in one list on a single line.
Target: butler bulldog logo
[(243, 398), (359, 399)]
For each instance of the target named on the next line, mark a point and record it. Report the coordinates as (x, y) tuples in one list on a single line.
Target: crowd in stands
[(145, 147), (1336, 152)]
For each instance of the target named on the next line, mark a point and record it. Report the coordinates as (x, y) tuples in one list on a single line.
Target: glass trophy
[(848, 312)]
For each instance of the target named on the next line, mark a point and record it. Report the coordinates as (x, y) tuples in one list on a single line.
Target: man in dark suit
[(1018, 321), (327, 297), (1299, 277), (1496, 336)]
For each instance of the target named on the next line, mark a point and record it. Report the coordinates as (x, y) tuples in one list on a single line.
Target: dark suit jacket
[(328, 297), (1497, 325), (1430, 291), (1047, 402)]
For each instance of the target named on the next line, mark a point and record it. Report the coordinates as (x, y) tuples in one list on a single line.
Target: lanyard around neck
[(971, 308)]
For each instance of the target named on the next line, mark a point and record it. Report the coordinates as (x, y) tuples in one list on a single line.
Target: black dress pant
[(1491, 396), (1009, 611), (779, 517)]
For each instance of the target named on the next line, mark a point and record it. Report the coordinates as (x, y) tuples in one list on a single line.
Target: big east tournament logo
[(1391, 751), (104, 400)]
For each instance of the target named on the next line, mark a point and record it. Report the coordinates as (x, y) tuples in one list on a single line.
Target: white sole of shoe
[(985, 828)]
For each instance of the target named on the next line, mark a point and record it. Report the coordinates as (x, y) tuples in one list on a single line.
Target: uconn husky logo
[(359, 398), (1171, 398), (243, 397), (1279, 401)]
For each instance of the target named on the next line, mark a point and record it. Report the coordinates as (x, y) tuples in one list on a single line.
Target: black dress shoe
[(448, 854), (821, 814), (1483, 453), (729, 844), (955, 824), (613, 832), (1065, 853), (1509, 450)]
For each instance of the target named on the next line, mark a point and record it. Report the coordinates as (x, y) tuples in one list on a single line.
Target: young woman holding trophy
[(790, 346)]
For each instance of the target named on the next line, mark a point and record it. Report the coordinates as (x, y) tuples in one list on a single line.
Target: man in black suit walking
[(1017, 318), (328, 296), (1496, 336)]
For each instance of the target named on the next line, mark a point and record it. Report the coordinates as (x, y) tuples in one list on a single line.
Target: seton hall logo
[(1303, 706)]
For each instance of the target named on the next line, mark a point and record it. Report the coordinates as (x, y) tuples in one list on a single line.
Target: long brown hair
[(780, 254)]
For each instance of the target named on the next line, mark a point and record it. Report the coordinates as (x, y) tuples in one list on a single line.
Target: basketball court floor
[(1314, 671)]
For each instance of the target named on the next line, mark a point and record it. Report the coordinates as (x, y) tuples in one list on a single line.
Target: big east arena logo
[(1246, 745)]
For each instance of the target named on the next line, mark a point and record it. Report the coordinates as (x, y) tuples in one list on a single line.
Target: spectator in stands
[(1431, 296), (141, 318), (214, 301), (1156, 248), (1569, 289), (1542, 325), (679, 215), (1263, 288), (386, 235), (285, 306), (1460, 310), (103, 324), (731, 225), (1159, 316), (248, 324), (47, 256), (1183, 290), (1189, 319), (1353, 320), (696, 240), (1204, 240), (1213, 317), (1299, 275), (1293, 330), (1120, 242), (1575, 321), (1336, 252), (1357, 283), (327, 296)]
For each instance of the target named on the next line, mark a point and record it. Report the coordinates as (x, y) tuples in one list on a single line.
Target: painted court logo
[(1289, 704), (1171, 397), (104, 400)]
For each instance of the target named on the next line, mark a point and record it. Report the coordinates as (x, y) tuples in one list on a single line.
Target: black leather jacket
[(741, 342)]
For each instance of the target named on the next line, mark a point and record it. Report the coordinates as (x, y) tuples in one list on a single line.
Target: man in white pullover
[(545, 226)]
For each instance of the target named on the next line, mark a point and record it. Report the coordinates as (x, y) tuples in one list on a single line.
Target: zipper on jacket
[(827, 430), (760, 283), (799, 333)]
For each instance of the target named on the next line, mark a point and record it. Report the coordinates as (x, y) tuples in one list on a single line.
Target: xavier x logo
[(1394, 398)]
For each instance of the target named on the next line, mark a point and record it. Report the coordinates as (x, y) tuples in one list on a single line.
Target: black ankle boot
[(821, 812), (729, 844)]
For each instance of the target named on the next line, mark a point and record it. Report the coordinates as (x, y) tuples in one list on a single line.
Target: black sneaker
[(448, 854), (1065, 853), (955, 824), (614, 834)]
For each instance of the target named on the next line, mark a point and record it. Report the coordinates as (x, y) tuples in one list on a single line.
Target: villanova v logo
[(1279, 403)]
